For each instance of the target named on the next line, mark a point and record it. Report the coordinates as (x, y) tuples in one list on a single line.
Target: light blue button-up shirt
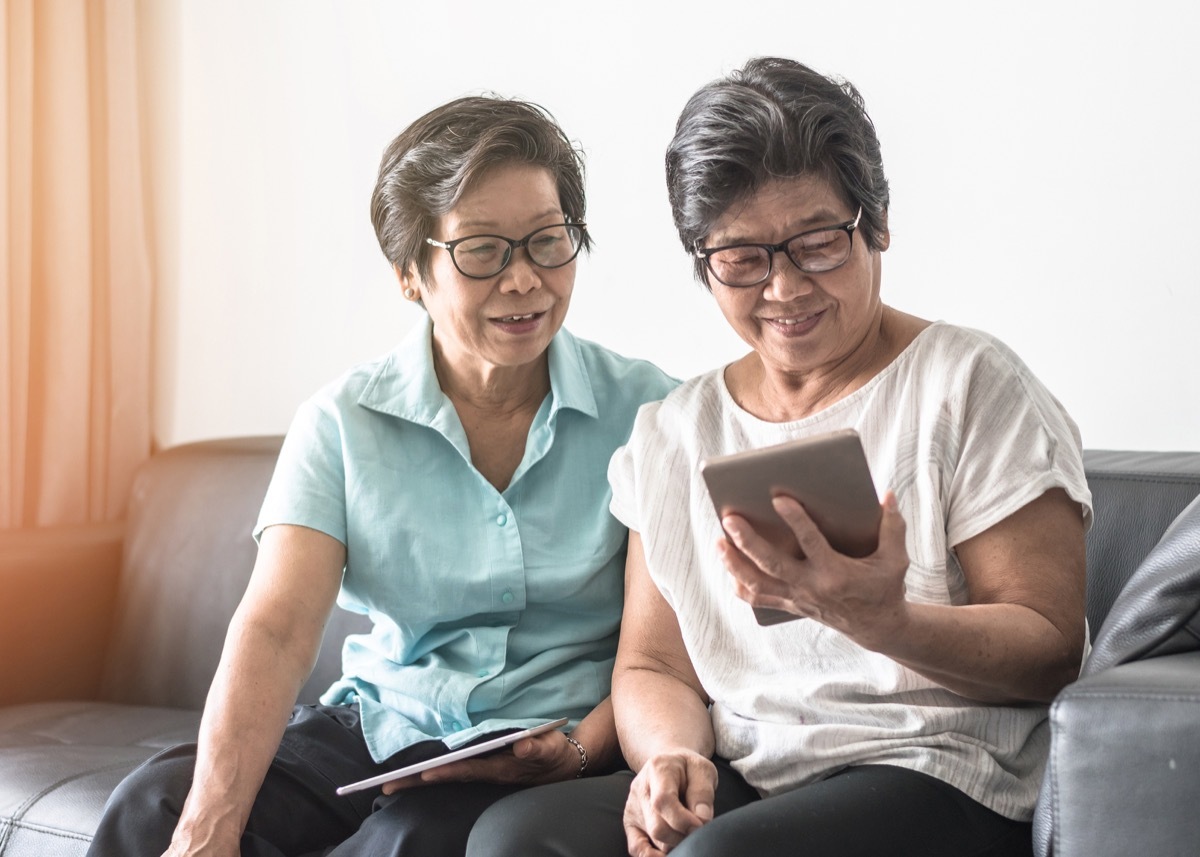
[(491, 609)]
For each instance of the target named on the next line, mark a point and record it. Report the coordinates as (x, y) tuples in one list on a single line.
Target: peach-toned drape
[(75, 312)]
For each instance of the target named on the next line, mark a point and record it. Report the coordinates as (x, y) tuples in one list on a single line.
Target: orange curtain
[(75, 336)]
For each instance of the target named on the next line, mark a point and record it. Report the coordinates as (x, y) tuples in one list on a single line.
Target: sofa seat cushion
[(59, 761)]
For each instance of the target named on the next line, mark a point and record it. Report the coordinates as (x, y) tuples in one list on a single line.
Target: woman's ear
[(884, 238), (408, 282)]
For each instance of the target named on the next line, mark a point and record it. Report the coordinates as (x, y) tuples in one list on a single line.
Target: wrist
[(890, 633), (189, 839), (583, 756), (217, 827)]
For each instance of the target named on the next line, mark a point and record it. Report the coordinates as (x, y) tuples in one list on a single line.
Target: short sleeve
[(1005, 463), (627, 463), (308, 487)]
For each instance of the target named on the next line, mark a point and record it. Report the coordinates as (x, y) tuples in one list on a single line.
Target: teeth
[(513, 318), (793, 320)]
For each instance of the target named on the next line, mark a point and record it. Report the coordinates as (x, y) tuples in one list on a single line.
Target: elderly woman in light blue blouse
[(455, 491)]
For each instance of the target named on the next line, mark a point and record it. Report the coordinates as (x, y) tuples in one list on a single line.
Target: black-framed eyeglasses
[(483, 256), (813, 252)]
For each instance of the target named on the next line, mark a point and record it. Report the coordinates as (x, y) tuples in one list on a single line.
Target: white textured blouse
[(964, 434)]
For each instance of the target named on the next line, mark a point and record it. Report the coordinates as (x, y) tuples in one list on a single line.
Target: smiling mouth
[(795, 319)]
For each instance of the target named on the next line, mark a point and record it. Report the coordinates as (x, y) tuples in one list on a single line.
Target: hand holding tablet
[(827, 474), (452, 756)]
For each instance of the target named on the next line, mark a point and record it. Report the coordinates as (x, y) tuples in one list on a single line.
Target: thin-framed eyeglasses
[(813, 252), (483, 256)]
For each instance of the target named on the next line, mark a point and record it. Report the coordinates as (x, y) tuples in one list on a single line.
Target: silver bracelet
[(583, 760)]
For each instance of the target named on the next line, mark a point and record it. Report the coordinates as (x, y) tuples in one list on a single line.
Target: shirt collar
[(405, 385)]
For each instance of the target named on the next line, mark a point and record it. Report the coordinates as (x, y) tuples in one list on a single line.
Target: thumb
[(701, 788), (892, 527), (539, 748), (526, 748)]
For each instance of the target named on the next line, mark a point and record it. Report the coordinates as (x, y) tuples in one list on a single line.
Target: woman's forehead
[(510, 193), (784, 205)]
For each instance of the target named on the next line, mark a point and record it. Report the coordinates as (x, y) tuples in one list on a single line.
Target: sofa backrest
[(188, 554), (187, 557), (1136, 496)]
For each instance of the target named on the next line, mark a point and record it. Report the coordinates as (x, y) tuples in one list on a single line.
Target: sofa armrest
[(57, 593), (1124, 752)]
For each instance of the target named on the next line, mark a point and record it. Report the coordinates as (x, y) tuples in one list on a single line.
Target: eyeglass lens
[(487, 255), (811, 252)]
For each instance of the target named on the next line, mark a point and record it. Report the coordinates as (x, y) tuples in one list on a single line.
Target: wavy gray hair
[(773, 118), (426, 170)]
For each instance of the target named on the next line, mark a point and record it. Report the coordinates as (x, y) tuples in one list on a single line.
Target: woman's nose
[(787, 281), (521, 275)]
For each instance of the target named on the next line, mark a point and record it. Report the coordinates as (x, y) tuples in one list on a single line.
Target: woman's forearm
[(658, 700), (1021, 638), (656, 712), (597, 735), (999, 653), (247, 709), (269, 651)]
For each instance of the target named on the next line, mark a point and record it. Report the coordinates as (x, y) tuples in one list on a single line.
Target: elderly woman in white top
[(904, 712)]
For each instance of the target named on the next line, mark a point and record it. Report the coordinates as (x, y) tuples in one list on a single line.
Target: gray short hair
[(773, 118), (426, 170)]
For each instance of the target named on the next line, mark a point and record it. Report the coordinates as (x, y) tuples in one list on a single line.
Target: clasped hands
[(671, 796)]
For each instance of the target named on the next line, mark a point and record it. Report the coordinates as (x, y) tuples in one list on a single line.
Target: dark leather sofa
[(110, 634)]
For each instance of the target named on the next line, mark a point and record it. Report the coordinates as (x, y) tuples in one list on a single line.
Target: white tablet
[(452, 756)]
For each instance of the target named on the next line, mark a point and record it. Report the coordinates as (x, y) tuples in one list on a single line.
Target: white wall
[(1042, 158)]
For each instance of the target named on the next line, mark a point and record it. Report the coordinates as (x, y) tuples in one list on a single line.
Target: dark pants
[(297, 811), (867, 811)]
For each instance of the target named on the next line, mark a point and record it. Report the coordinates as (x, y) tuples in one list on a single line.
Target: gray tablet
[(827, 473)]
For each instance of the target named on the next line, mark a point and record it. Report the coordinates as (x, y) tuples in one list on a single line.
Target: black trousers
[(297, 811), (867, 811)]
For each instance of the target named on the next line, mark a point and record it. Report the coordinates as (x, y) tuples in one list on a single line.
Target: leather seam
[(15, 824), (1159, 696), (24, 807), (1163, 477), (50, 831)]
